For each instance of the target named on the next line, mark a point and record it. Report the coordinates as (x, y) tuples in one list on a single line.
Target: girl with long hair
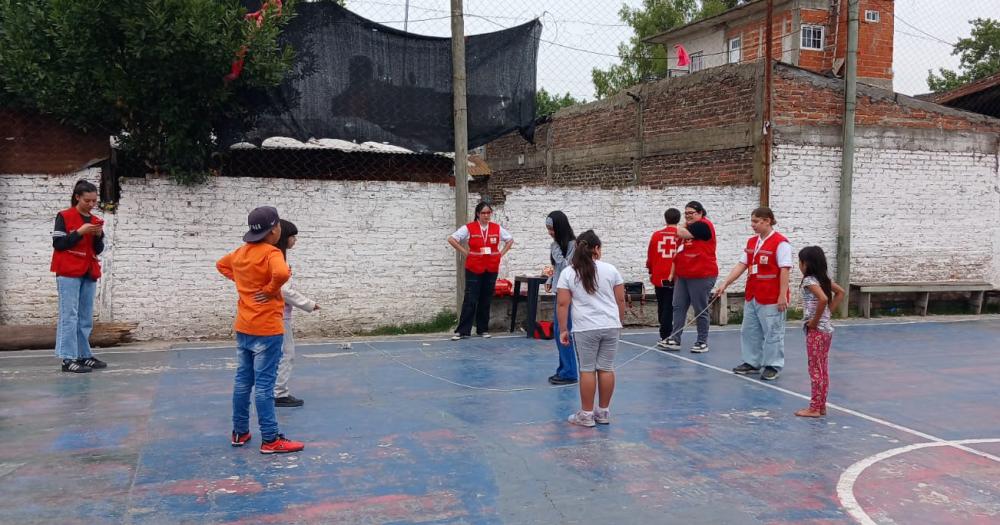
[(820, 296), (596, 292), (560, 254), (282, 397)]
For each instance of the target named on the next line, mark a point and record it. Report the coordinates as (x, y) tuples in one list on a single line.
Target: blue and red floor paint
[(392, 436)]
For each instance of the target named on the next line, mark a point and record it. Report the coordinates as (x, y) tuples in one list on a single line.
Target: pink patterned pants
[(818, 349)]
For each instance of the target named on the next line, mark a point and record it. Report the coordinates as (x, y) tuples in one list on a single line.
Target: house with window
[(811, 34)]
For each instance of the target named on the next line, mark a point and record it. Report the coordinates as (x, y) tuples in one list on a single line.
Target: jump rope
[(522, 389)]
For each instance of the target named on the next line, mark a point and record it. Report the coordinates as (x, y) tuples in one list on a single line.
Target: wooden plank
[(922, 302), (866, 305), (977, 299), (913, 287), (35, 337)]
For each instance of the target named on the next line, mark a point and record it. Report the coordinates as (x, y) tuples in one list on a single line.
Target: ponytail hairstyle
[(287, 230), (583, 260), (82, 186), (814, 265)]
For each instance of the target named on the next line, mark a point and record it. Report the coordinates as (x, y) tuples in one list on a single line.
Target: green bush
[(148, 72)]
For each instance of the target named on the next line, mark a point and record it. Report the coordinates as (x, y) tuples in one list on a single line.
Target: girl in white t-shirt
[(597, 293)]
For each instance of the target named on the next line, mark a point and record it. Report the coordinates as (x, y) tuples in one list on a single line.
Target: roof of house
[(981, 96), (739, 12)]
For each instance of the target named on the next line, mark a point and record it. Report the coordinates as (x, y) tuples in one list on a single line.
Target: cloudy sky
[(579, 35)]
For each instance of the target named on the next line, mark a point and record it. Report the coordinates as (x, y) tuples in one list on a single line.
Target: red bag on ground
[(543, 330)]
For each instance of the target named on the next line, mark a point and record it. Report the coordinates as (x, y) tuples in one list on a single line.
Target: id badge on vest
[(485, 250), (753, 269)]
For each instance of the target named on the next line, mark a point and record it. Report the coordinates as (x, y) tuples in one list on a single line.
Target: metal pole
[(847, 161), (461, 137), (765, 186), (406, 15)]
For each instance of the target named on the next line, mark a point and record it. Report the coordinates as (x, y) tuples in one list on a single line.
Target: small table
[(533, 284)]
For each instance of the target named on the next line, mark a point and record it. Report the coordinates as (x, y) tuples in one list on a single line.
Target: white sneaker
[(669, 344), (579, 418), (485, 335), (458, 337), (699, 348), (602, 417)]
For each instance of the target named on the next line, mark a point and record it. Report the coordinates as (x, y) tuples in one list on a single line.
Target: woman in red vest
[(696, 271), (767, 259), (77, 240), (482, 263)]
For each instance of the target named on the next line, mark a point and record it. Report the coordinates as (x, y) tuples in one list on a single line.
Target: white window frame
[(872, 16), (735, 51), (696, 59), (807, 44)]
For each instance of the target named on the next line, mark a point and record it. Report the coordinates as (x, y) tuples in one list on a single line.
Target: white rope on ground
[(675, 332)]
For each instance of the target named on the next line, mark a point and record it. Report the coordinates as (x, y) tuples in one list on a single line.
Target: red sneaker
[(281, 446), (240, 439)]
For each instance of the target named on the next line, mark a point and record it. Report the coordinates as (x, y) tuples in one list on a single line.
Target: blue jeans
[(567, 354), (76, 316), (762, 336), (257, 368)]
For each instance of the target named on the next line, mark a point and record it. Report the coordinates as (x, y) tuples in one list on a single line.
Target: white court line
[(845, 410), (845, 486), (47, 353)]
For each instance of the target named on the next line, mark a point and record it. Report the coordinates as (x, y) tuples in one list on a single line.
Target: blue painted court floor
[(431, 431)]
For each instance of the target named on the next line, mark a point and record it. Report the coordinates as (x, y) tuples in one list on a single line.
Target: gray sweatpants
[(692, 293), (287, 361)]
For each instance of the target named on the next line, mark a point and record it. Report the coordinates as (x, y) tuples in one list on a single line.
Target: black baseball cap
[(261, 220)]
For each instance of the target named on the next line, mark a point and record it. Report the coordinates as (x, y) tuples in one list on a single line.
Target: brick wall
[(38, 144), (801, 98), (691, 131), (916, 215)]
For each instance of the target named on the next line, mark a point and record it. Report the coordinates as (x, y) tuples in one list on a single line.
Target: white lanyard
[(484, 232), (760, 243)]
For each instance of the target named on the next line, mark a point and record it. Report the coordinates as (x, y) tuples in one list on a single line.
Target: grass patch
[(991, 308), (949, 308), (794, 314), (442, 322)]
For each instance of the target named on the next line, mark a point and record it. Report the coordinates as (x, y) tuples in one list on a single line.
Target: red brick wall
[(728, 167), (802, 100), (36, 144), (686, 110)]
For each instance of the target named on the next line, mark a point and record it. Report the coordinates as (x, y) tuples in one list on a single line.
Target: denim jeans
[(762, 336), (76, 316), (257, 360), (479, 289), (567, 353)]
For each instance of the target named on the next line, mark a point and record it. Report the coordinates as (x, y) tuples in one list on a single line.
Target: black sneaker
[(769, 374), (288, 401), (561, 381), (745, 369), (75, 367), (92, 362)]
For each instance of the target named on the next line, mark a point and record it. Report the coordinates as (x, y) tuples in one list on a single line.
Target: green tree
[(148, 72), (980, 57), (547, 103), (641, 61)]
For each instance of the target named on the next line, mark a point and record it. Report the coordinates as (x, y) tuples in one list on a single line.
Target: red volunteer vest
[(697, 259), (765, 285), (484, 252), (80, 260), (660, 258)]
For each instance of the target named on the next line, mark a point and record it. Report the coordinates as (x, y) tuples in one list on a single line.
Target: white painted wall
[(374, 253), (916, 215)]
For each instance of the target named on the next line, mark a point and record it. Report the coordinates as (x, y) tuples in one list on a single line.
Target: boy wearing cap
[(259, 270)]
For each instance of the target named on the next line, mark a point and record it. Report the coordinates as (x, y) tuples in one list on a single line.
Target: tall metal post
[(765, 186), (847, 160), (461, 137)]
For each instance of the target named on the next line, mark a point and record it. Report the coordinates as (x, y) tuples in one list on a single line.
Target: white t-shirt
[(462, 234), (597, 311), (784, 252)]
